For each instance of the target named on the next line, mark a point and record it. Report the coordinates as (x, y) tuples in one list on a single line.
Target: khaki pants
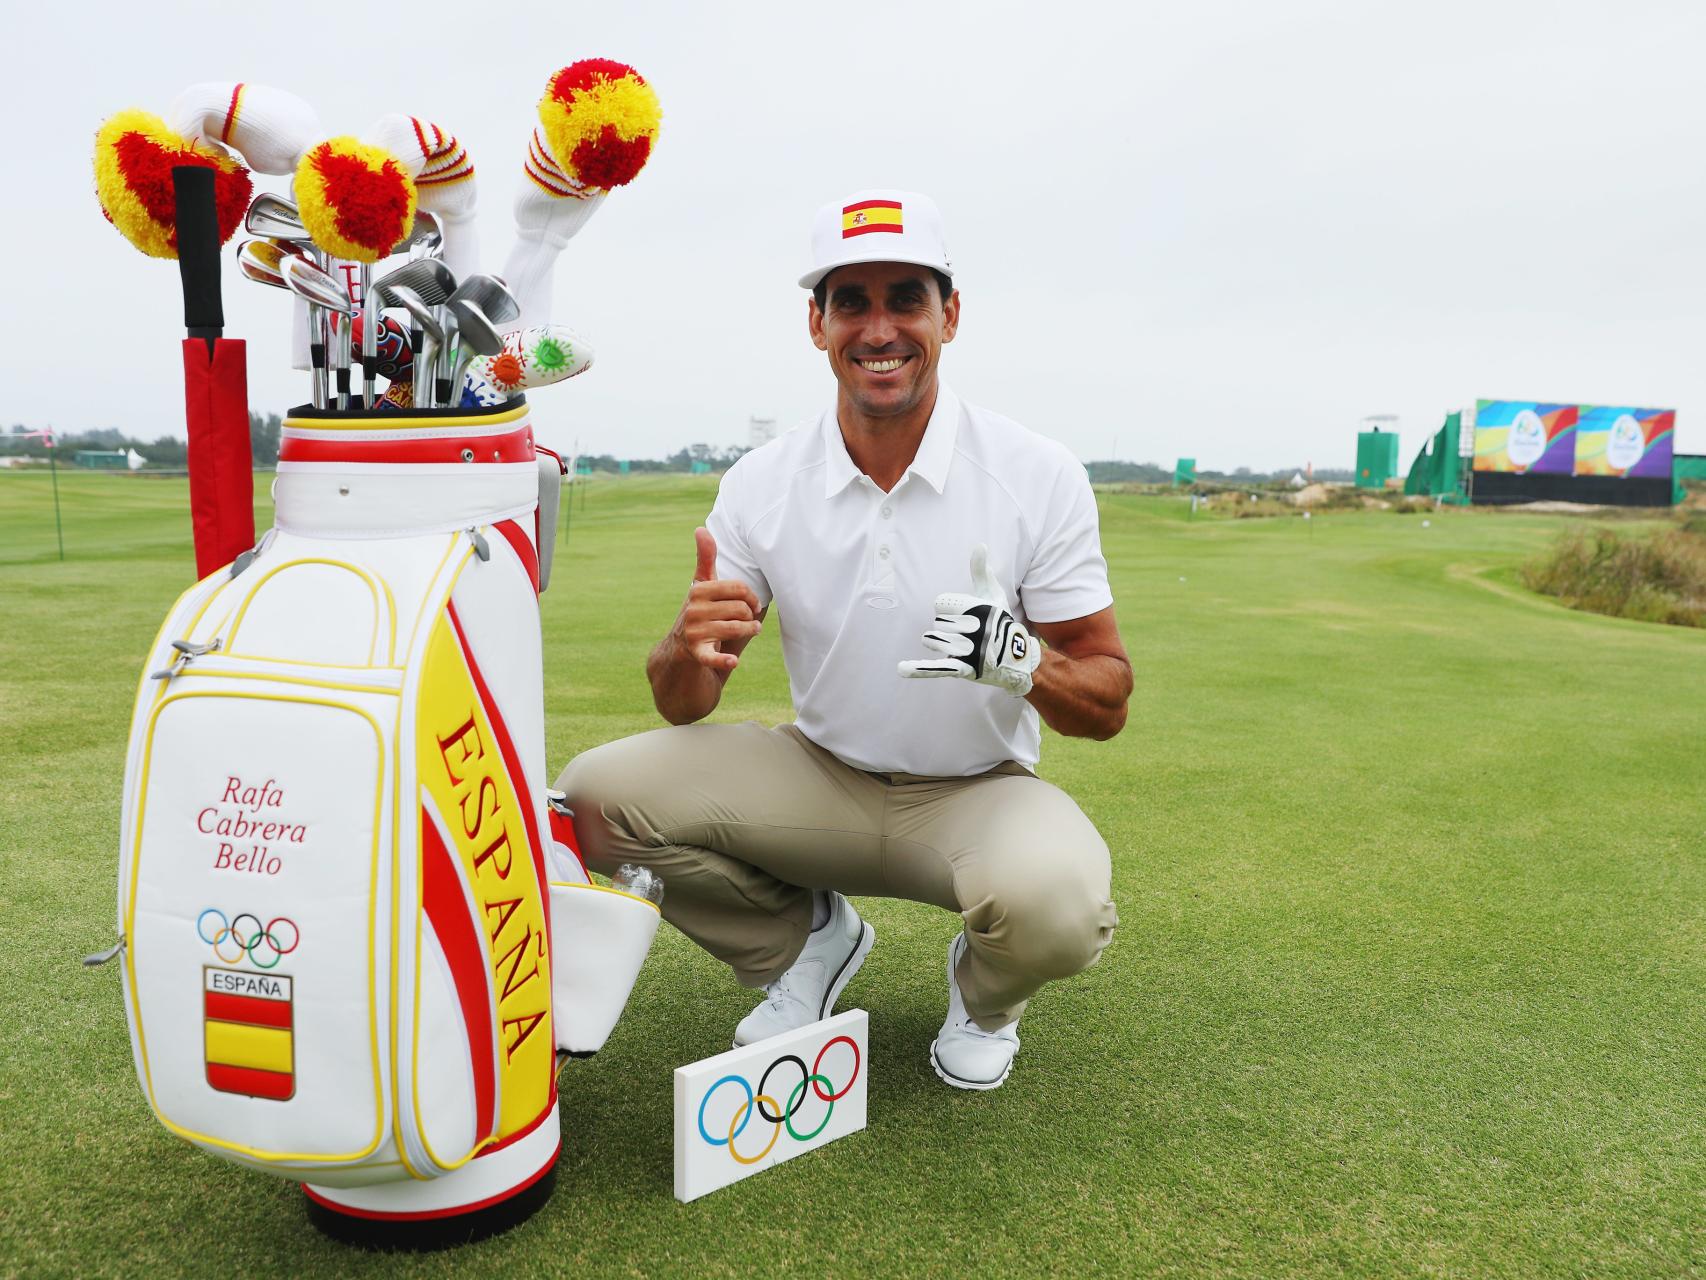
[(742, 822)]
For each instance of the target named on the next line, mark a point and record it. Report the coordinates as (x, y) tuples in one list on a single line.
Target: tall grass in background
[(1653, 577)]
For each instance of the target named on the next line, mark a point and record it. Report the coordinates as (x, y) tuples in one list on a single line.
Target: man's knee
[(1056, 934), (599, 787), (1046, 928), (1046, 910)]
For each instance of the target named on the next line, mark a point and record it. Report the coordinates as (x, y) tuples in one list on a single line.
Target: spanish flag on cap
[(877, 224), (871, 215)]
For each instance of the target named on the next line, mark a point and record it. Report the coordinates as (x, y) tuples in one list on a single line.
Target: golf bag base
[(499, 1189), (431, 1234)]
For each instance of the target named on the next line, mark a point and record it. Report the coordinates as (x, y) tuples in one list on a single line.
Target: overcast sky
[(1220, 230)]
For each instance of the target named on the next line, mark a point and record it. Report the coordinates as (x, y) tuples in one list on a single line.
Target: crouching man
[(939, 581)]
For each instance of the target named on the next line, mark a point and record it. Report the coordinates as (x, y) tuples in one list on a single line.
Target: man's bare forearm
[(683, 689), (1081, 697)]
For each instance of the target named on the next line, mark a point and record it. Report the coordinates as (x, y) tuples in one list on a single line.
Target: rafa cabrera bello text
[(248, 841)]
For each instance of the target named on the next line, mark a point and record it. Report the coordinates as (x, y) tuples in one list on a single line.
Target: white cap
[(877, 226)]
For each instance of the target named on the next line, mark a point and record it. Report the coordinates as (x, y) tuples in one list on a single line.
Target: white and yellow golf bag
[(342, 907)]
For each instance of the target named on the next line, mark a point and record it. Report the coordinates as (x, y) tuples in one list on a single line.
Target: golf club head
[(307, 281), (275, 218), (478, 335), (425, 238), (260, 261), (420, 313), (429, 278), (496, 303)]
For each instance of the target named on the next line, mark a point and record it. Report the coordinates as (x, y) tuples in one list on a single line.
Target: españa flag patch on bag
[(250, 1035), (871, 215)]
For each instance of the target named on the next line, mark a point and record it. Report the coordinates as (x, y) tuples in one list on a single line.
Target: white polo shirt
[(854, 573)]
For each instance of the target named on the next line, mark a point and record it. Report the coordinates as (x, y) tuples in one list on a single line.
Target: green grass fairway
[(1408, 980)]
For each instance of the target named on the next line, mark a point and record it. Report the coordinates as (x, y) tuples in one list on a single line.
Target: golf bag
[(341, 900)]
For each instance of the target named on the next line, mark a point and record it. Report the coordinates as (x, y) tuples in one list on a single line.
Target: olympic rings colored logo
[(257, 943), (779, 1116)]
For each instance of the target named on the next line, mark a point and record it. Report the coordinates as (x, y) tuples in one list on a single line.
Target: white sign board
[(756, 1106)]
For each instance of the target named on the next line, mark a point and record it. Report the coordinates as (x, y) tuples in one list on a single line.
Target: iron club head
[(275, 218), (478, 335), (429, 278), (496, 303), (316, 286), (425, 238)]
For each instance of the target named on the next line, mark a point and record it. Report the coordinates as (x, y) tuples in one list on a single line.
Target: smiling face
[(883, 325)]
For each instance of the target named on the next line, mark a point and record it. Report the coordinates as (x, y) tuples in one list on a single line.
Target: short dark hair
[(944, 287)]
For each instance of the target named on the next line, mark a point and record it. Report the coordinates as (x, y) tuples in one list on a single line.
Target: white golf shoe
[(809, 989), (963, 1053)]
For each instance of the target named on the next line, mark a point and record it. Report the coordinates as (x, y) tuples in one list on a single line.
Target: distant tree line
[(709, 457), (170, 452), (1110, 472), (163, 452)]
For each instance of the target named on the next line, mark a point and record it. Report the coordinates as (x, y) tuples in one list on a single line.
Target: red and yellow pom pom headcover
[(134, 156), (357, 201), (600, 118)]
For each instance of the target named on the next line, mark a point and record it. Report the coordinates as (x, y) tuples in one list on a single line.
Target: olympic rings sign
[(780, 1115), (245, 937)]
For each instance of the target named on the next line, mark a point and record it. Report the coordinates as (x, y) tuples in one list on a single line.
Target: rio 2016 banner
[(1525, 436), (1612, 441), (1529, 437)]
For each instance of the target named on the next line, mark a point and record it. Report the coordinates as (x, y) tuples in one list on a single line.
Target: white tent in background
[(1297, 480)]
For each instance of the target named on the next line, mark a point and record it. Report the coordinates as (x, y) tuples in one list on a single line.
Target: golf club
[(424, 326), (476, 335), (431, 281), (263, 262), (322, 289), (276, 218), (425, 237), (480, 304)]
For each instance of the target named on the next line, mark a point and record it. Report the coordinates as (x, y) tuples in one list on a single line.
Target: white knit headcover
[(550, 209), (444, 180), (268, 127)]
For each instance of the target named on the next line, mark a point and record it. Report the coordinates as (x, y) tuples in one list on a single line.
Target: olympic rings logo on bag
[(777, 1115), (263, 945)]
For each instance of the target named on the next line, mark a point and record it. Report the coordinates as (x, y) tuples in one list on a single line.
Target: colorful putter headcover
[(530, 359)]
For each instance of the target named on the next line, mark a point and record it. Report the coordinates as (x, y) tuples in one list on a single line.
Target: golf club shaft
[(320, 329), (424, 375), (317, 353), (369, 337), (441, 353), (416, 338), (340, 338)]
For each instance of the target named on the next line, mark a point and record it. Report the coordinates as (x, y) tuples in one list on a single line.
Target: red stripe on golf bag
[(517, 446), (524, 551), (465, 952)]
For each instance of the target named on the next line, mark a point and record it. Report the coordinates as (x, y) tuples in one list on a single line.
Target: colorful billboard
[(1525, 436), (1614, 441)]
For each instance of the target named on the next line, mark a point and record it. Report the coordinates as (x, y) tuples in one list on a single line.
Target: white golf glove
[(978, 637)]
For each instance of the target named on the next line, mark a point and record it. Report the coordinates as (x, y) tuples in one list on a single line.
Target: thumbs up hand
[(719, 615), (978, 637)]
